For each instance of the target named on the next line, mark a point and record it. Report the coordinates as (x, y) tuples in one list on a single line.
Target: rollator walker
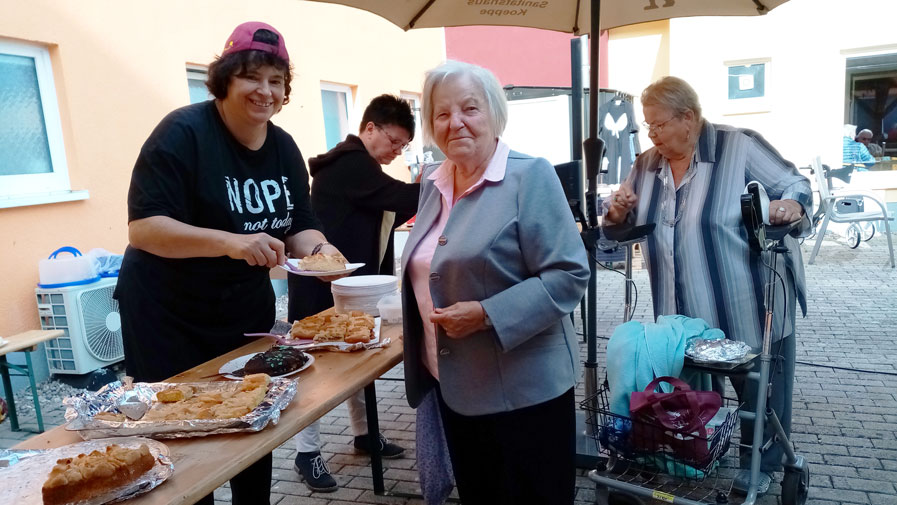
[(629, 476)]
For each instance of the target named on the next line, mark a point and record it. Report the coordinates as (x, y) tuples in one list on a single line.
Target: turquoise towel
[(638, 353)]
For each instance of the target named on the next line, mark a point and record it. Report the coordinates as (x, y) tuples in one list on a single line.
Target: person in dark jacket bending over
[(359, 206)]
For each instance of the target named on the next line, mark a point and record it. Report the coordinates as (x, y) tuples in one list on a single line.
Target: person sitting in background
[(359, 206), (865, 138), (491, 270), (854, 153), (699, 263)]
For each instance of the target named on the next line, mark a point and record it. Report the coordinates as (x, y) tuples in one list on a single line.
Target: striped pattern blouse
[(698, 258)]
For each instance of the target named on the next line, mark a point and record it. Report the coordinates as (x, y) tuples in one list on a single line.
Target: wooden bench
[(23, 342)]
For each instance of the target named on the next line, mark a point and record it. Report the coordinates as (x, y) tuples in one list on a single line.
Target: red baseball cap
[(246, 37)]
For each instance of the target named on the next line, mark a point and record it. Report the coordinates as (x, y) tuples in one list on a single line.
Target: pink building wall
[(519, 56)]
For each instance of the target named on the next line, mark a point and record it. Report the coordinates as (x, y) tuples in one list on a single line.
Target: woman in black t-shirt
[(218, 196)]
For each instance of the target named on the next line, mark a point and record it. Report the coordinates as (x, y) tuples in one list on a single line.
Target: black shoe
[(312, 469), (388, 450)]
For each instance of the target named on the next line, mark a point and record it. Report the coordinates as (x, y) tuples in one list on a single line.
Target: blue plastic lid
[(67, 284)]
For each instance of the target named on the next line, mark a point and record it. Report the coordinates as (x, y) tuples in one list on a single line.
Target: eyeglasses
[(396, 143), (656, 129)]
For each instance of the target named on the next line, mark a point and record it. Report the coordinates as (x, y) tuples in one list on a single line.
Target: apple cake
[(356, 326), (89, 475)]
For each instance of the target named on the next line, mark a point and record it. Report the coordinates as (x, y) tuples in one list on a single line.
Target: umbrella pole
[(594, 150)]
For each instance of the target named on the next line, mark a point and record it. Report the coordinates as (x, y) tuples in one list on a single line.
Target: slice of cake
[(90, 475), (323, 262)]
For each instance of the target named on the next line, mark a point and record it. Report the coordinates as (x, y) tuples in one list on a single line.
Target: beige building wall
[(119, 67)]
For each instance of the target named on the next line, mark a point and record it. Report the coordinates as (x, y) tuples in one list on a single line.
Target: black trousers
[(149, 359), (249, 486), (525, 456)]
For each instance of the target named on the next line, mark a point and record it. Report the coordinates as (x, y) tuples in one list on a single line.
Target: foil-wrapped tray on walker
[(23, 473), (720, 350), (134, 400)]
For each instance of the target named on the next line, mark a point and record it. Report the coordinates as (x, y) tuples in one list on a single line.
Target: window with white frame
[(417, 145), (336, 101), (747, 86), (32, 153), (196, 83)]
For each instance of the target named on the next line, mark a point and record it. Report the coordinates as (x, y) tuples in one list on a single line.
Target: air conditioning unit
[(90, 319)]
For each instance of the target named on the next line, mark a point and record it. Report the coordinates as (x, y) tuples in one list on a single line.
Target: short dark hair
[(240, 64), (389, 110)]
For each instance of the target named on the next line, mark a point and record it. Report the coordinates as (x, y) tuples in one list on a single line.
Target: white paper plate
[(238, 363), (350, 267), (3, 341)]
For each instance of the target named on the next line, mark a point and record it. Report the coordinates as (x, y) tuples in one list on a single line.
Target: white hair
[(674, 94), (484, 80)]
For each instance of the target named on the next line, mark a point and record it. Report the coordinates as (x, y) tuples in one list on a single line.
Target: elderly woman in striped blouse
[(698, 261)]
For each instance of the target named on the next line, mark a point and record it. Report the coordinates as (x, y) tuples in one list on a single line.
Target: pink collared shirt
[(422, 256)]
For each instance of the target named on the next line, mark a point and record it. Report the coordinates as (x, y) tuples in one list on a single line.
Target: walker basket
[(648, 445)]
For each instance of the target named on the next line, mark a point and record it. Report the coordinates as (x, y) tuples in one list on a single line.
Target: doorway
[(871, 101)]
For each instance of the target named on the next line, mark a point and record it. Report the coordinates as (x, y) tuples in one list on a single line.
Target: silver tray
[(82, 409), (722, 365), (22, 480)]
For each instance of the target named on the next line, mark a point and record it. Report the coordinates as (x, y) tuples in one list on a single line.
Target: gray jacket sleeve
[(552, 250)]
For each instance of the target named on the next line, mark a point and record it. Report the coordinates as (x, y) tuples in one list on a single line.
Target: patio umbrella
[(570, 16)]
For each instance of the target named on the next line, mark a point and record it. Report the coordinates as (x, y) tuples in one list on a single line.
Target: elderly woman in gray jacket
[(492, 268)]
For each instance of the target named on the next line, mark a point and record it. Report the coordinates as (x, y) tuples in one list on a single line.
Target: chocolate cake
[(278, 360)]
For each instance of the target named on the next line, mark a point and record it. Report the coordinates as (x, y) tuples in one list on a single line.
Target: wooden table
[(25, 342), (203, 464)]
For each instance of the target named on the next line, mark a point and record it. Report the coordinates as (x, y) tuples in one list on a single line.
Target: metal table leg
[(40, 419), (370, 407), (7, 387), (26, 370)]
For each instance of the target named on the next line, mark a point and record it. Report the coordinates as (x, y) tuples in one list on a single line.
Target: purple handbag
[(673, 422)]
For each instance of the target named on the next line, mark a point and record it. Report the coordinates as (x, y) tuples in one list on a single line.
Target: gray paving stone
[(863, 485), (883, 454), (882, 499), (839, 495), (825, 449), (884, 444), (860, 463), (842, 440), (289, 488)]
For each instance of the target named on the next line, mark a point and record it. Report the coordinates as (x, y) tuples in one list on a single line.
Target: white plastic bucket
[(60, 271), (362, 292)]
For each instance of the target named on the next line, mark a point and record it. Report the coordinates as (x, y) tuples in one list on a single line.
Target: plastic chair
[(829, 202)]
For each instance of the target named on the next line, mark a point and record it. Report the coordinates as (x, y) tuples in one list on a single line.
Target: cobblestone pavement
[(845, 405)]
